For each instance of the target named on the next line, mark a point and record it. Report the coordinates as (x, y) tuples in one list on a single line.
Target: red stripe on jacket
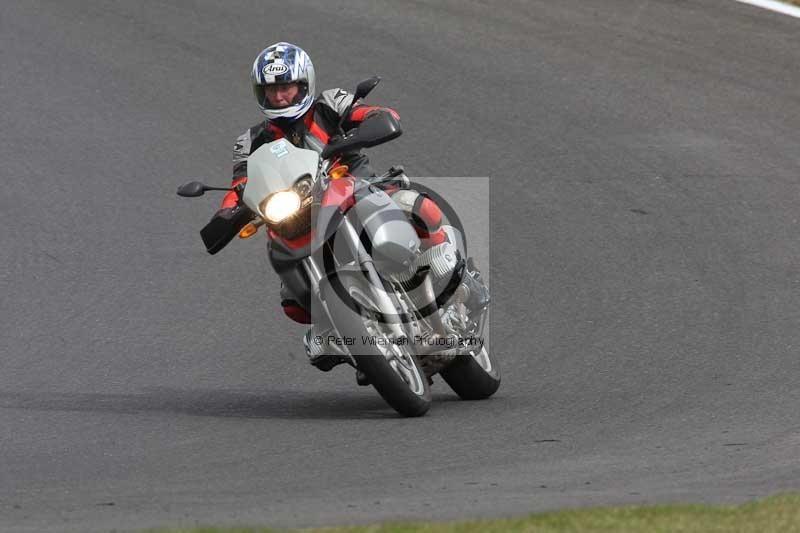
[(360, 112)]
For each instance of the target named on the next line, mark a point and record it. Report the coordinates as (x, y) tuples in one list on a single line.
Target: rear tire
[(397, 377), (473, 376)]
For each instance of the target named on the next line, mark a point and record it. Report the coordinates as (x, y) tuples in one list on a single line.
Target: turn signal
[(248, 231), (338, 172)]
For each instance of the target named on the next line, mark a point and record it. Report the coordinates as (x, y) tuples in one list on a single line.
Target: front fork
[(387, 302)]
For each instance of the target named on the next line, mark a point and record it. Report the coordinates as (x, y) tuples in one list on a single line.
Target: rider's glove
[(231, 199)]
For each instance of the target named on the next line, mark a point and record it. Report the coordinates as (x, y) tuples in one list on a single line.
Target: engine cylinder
[(440, 259)]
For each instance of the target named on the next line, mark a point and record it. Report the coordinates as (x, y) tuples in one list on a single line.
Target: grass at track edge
[(776, 514)]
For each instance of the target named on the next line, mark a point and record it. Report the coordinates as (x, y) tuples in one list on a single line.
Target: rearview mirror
[(365, 87), (362, 90), (191, 189)]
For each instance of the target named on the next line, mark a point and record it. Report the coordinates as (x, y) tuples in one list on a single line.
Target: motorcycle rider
[(284, 83)]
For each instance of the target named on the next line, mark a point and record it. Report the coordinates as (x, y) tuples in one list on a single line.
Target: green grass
[(778, 514)]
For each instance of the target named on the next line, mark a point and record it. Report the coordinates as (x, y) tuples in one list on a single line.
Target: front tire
[(393, 369), (473, 376)]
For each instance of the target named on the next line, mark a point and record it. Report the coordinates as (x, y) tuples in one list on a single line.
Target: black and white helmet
[(283, 63)]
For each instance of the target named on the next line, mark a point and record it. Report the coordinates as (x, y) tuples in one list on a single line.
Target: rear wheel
[(391, 367)]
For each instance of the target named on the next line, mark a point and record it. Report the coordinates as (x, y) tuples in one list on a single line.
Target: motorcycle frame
[(304, 273)]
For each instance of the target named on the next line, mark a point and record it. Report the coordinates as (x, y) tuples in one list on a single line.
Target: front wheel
[(391, 367), (473, 376)]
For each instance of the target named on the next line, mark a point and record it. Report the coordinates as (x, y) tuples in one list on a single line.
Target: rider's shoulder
[(252, 138), (337, 99)]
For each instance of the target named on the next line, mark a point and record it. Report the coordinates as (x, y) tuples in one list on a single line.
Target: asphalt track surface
[(644, 163)]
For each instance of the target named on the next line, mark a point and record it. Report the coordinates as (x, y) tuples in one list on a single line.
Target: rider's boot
[(361, 378), (320, 352)]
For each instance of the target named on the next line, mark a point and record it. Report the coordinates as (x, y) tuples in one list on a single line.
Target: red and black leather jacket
[(312, 130)]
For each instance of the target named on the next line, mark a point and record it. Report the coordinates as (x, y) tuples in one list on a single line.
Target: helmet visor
[(279, 95)]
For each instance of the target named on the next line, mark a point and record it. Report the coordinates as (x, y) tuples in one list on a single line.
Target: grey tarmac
[(644, 163)]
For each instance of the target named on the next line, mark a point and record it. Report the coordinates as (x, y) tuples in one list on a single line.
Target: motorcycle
[(347, 251)]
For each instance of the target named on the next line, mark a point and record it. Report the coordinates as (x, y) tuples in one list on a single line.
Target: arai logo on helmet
[(275, 69)]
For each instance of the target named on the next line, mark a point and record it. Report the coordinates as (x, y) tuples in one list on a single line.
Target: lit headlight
[(280, 206)]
